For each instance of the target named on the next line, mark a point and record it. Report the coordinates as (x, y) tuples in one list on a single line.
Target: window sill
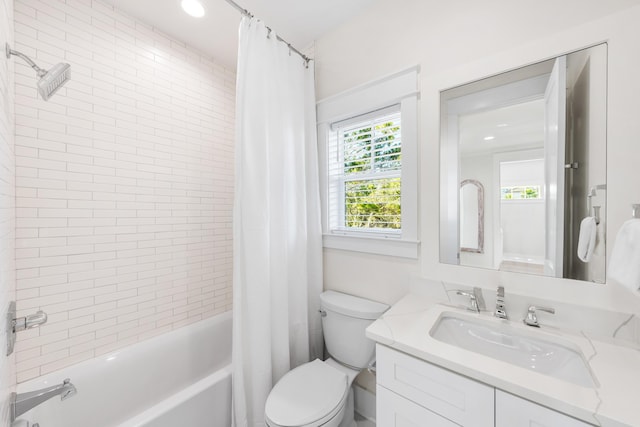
[(374, 245)]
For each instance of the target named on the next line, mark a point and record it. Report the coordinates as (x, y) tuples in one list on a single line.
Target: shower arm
[(28, 60)]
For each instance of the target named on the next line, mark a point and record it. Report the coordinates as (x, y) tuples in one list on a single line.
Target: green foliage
[(520, 192), (531, 193), (373, 204), (380, 143), (357, 150)]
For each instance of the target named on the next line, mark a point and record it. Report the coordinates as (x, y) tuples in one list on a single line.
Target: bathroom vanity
[(440, 365)]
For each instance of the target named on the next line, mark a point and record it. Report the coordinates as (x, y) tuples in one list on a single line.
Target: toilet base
[(349, 413)]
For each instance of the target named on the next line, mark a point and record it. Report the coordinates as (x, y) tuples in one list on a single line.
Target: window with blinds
[(365, 173)]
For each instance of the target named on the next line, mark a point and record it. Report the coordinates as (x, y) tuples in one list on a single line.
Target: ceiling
[(300, 22), (513, 127)]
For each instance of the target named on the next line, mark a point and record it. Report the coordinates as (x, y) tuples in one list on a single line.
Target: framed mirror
[(471, 216), (535, 137)]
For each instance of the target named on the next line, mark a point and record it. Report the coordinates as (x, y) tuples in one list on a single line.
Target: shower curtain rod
[(250, 15)]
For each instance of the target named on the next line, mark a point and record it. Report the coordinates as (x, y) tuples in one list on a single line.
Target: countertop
[(613, 403)]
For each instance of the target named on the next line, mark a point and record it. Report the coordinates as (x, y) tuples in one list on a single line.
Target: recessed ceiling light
[(503, 125), (193, 8), (489, 138)]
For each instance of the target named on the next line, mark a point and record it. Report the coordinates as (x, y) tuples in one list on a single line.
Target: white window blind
[(365, 165)]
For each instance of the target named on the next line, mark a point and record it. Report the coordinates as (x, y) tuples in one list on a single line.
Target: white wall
[(456, 43), (124, 184), (523, 229), (7, 206), (522, 221)]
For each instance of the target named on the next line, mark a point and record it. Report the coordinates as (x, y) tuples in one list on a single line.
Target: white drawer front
[(513, 411), (455, 397), (396, 411)]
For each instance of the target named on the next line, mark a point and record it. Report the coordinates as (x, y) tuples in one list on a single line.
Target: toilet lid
[(307, 395)]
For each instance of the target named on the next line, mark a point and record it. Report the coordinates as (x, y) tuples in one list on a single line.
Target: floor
[(363, 422)]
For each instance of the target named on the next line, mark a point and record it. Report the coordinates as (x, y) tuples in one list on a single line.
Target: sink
[(506, 343)]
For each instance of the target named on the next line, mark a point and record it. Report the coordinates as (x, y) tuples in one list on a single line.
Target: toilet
[(319, 393)]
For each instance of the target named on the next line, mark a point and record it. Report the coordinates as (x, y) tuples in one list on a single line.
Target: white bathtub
[(182, 378)]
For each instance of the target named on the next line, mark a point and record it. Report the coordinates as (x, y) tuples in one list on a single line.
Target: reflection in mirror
[(471, 216), (536, 138)]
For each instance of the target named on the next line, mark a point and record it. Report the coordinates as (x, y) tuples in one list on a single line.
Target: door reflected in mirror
[(535, 140)]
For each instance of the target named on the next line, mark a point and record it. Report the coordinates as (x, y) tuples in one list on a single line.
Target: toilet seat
[(309, 395)]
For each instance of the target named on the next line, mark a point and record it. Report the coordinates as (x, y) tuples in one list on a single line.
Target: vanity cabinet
[(415, 393), (455, 398), (513, 411), (394, 410)]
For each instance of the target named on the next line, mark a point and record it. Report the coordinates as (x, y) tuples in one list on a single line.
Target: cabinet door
[(393, 410), (457, 398), (512, 411)]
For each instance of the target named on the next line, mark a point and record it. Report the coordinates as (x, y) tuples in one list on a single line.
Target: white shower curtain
[(276, 220)]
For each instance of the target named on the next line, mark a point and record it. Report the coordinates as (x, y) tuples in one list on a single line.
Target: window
[(369, 190), (520, 192), (366, 174)]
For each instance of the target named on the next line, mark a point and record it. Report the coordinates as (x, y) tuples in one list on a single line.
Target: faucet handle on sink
[(476, 302), (532, 319)]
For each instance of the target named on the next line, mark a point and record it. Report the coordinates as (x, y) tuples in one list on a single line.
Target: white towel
[(587, 238), (624, 264)]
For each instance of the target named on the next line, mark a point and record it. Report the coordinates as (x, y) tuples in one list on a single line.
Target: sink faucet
[(23, 402), (476, 302), (532, 318), (500, 312)]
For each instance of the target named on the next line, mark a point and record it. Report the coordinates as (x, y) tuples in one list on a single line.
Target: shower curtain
[(276, 221)]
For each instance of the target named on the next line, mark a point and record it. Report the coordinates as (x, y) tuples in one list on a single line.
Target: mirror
[(532, 141), (471, 216)]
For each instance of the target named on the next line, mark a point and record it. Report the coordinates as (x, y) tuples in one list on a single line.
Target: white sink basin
[(504, 342)]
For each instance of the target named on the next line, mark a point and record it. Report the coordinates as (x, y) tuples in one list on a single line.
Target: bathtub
[(181, 378)]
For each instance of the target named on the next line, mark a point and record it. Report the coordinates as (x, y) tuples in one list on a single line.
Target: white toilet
[(319, 393)]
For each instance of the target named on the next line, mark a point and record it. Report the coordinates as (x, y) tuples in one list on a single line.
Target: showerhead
[(50, 81), (53, 80)]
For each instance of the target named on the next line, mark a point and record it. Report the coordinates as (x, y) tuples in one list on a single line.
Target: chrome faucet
[(532, 318), (23, 402), (501, 311), (476, 302)]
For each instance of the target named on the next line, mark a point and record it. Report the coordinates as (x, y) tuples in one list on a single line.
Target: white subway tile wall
[(124, 184), (7, 206)]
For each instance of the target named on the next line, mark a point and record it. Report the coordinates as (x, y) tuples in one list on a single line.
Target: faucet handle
[(69, 389), (31, 321), (532, 318), (473, 300)]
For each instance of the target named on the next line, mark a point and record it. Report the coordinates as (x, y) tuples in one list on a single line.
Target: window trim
[(401, 89)]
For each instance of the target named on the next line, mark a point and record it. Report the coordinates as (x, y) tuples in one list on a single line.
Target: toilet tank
[(344, 321)]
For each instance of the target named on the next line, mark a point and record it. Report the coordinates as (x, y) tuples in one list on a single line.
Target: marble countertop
[(613, 403)]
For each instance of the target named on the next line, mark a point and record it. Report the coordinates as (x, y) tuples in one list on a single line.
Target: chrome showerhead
[(51, 80)]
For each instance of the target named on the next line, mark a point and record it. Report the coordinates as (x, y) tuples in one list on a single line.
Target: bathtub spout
[(21, 403)]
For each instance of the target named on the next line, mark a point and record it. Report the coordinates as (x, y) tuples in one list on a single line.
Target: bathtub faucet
[(23, 402)]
